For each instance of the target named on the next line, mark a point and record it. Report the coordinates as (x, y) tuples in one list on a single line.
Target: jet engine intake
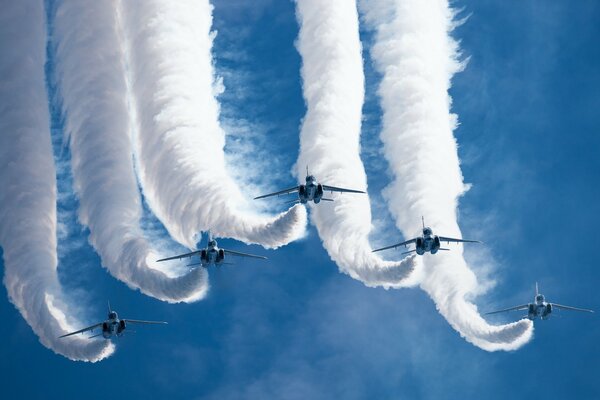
[(420, 246)]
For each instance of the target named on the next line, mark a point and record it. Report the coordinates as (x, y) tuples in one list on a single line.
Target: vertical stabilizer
[(109, 310), (423, 221), (536, 289)]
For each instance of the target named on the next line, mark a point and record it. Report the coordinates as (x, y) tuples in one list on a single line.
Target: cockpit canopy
[(310, 178), (112, 315), (212, 243), (539, 298), (427, 231)]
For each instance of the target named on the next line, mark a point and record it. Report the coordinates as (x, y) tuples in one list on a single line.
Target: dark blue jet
[(427, 243), (310, 191), (540, 307)]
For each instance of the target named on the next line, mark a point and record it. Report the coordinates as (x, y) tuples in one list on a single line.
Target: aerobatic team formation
[(137, 100)]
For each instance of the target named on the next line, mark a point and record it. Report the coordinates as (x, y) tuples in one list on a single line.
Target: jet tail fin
[(109, 310), (536, 289), (423, 221)]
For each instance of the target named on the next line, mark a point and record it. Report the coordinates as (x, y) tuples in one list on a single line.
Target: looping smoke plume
[(91, 76), (333, 85), (28, 181), (180, 142), (417, 57)]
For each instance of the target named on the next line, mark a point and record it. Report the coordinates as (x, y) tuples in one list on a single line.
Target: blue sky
[(296, 328)]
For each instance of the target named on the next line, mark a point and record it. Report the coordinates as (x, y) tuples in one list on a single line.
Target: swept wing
[(571, 308), (448, 240), (89, 328), (186, 255), (137, 321), (239, 254), (341, 190), (397, 245), (281, 192), (515, 308)]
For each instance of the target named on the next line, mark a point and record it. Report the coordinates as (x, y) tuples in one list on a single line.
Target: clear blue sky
[(295, 328)]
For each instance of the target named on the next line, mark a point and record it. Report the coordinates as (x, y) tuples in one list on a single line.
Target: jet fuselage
[(212, 255), (427, 243), (113, 326), (539, 308), (311, 191)]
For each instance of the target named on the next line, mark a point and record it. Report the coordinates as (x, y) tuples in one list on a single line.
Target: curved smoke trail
[(28, 181), (91, 76), (417, 58), (333, 85), (180, 148)]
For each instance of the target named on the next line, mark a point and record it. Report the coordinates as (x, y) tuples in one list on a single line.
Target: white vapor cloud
[(179, 146), (333, 86), (90, 69), (28, 181), (417, 58)]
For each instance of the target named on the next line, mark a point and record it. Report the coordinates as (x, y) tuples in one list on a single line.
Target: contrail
[(28, 181), (333, 86), (180, 142), (90, 69), (417, 57)]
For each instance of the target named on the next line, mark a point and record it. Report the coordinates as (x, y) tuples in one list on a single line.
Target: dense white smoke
[(180, 142), (333, 85), (90, 69), (28, 181), (417, 58)]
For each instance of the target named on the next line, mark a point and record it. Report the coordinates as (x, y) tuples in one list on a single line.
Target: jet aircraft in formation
[(112, 326), (428, 242), (211, 255), (540, 307), (310, 191), (313, 191)]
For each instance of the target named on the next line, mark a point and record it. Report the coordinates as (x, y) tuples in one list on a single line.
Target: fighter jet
[(311, 191), (427, 243), (539, 308), (211, 255), (112, 326)]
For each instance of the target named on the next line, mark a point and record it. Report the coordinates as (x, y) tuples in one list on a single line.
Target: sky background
[(296, 328)]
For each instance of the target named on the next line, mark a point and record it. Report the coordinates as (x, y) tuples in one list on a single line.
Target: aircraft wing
[(237, 253), (397, 245), (89, 328), (571, 308), (186, 255), (447, 239), (341, 190), (516, 308), (137, 321), (284, 191)]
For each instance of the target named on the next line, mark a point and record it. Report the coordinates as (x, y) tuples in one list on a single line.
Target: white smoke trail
[(333, 85), (91, 76), (417, 58), (180, 148), (28, 181)]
